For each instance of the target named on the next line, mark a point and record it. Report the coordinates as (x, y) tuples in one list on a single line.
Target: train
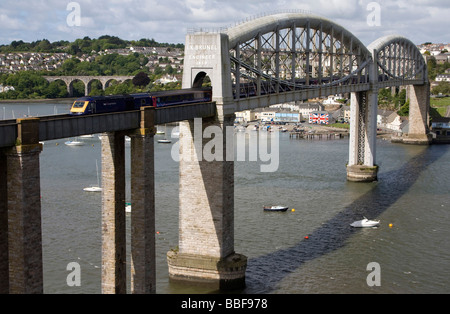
[(115, 103)]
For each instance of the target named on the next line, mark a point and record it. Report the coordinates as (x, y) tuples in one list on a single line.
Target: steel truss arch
[(398, 61), (294, 51)]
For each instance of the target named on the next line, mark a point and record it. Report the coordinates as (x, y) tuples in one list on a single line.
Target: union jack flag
[(318, 118)]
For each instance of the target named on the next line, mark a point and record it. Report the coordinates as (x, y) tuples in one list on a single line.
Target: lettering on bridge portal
[(201, 54)]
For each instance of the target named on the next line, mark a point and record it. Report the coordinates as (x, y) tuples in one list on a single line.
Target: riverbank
[(40, 101)]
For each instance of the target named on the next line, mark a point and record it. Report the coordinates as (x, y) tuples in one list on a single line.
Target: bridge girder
[(399, 59), (294, 51), (297, 52)]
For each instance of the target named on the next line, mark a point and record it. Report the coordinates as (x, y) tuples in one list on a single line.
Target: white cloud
[(167, 21)]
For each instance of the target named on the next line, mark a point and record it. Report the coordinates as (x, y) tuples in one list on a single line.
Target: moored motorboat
[(277, 208), (93, 189), (365, 223), (74, 143)]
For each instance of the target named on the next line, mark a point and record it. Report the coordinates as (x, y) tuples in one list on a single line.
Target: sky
[(169, 20)]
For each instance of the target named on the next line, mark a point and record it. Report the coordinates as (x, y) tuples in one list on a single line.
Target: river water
[(412, 194)]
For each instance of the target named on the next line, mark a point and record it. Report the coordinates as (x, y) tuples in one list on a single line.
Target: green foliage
[(141, 79), (404, 110), (110, 64), (36, 46), (387, 100), (442, 88), (27, 84), (435, 69), (82, 46)]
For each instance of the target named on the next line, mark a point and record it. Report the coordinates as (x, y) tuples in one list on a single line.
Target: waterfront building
[(287, 116), (320, 117), (440, 128)]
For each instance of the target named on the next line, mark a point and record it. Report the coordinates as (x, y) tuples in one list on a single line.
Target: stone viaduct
[(87, 80)]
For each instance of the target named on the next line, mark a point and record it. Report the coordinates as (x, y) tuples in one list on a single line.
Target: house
[(332, 100), (245, 116), (167, 79), (306, 109), (382, 117), (267, 115), (342, 114), (4, 89), (396, 123), (320, 117), (442, 58), (443, 78), (287, 116), (440, 128)]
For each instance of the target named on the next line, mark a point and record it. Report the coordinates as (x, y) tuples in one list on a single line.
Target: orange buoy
[(306, 237)]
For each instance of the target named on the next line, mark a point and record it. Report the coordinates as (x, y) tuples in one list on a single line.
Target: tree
[(404, 110), (141, 79), (442, 88)]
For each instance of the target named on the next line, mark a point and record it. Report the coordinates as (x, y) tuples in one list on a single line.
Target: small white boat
[(277, 208), (94, 188), (365, 223), (74, 143), (87, 136), (165, 141)]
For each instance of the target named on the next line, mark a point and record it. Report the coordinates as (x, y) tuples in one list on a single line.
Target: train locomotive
[(116, 103)]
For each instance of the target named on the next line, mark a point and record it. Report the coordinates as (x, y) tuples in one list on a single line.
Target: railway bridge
[(87, 81), (268, 60)]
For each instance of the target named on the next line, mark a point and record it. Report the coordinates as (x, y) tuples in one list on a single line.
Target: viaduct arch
[(87, 81)]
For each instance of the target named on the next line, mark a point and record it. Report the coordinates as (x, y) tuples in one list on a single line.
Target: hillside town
[(38, 61)]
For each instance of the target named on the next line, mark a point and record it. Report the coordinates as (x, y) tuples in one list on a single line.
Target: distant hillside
[(81, 46)]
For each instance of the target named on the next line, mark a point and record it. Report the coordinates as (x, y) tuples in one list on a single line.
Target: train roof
[(89, 98), (179, 91), (157, 94)]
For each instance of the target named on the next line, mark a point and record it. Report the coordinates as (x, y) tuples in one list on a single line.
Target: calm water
[(412, 194)]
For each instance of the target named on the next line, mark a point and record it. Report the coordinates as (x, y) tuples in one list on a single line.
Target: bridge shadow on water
[(265, 272)]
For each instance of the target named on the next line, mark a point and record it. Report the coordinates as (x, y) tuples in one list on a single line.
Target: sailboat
[(176, 131), (165, 140), (94, 188)]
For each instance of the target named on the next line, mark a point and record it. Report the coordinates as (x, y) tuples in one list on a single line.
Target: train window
[(78, 104)]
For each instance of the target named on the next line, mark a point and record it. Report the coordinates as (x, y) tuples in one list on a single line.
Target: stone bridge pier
[(363, 125), (206, 213), (143, 267), (419, 104)]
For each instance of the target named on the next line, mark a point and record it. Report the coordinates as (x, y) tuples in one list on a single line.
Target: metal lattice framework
[(288, 52), (313, 56), (398, 61)]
